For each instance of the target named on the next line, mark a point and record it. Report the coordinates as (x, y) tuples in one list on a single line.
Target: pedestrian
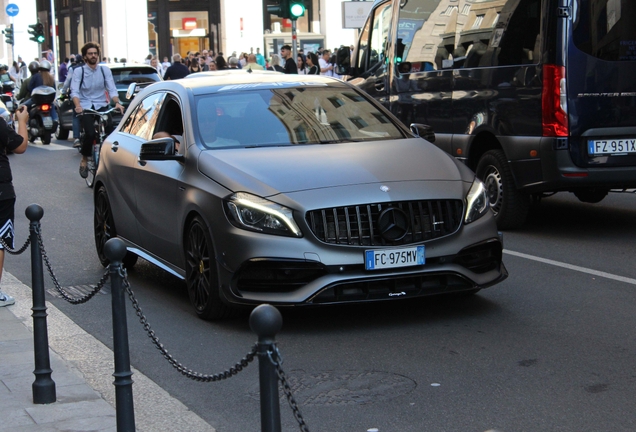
[(63, 70), (14, 72), (252, 64), (220, 63), (195, 65), (290, 64), (302, 66), (260, 59), (166, 63), (155, 64), (177, 69), (16, 142), (274, 64), (312, 62), (66, 91), (326, 68)]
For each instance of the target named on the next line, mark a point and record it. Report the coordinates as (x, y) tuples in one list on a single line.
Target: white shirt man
[(326, 68)]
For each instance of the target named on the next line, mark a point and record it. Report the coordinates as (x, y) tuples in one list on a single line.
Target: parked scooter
[(41, 122), (8, 96)]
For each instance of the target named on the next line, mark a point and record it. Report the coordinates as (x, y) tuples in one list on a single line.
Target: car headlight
[(254, 213), (476, 202)]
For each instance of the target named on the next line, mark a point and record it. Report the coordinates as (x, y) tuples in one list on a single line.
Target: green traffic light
[(40, 39), (297, 10)]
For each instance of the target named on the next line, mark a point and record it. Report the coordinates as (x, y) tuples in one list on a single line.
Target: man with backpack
[(91, 87)]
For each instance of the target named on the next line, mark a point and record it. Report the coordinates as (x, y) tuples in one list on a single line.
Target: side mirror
[(132, 89), (423, 131), (159, 149), (343, 61)]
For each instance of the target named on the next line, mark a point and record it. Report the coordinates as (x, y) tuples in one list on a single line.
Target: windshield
[(606, 29), (126, 76), (289, 116)]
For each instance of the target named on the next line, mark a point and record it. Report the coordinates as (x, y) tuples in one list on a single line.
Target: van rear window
[(605, 29)]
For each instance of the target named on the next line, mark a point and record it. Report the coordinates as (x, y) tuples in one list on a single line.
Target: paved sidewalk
[(82, 370)]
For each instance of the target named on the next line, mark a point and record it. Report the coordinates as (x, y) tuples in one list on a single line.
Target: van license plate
[(611, 147), (394, 258)]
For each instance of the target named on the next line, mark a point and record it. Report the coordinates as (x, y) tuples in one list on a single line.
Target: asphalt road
[(552, 348)]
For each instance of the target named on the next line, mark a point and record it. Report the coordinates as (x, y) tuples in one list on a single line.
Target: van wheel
[(591, 196), (509, 205)]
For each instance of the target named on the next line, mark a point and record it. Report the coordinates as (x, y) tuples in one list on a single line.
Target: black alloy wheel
[(201, 273), (104, 229), (509, 205)]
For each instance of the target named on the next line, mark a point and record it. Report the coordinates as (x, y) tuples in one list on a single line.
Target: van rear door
[(601, 83)]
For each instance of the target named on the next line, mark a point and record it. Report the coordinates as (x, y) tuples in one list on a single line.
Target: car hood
[(267, 171)]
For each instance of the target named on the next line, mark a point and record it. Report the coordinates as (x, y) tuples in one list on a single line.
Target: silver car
[(290, 190)]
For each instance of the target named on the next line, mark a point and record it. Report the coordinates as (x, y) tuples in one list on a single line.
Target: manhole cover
[(345, 387)]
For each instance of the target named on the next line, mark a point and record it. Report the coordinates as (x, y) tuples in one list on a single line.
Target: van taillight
[(554, 101)]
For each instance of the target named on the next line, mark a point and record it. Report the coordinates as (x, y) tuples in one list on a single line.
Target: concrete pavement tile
[(13, 418), (19, 345), (55, 412), (76, 393), (14, 330)]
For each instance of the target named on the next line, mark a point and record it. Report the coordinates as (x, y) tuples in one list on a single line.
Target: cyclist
[(90, 86)]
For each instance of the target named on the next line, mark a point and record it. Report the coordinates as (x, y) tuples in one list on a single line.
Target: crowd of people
[(321, 62)]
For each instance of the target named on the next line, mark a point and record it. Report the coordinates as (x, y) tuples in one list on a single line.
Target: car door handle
[(379, 85), (114, 148)]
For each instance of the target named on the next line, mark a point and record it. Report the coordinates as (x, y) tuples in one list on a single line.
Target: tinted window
[(131, 75), (146, 116), (606, 29), (292, 115), (373, 42), (435, 34)]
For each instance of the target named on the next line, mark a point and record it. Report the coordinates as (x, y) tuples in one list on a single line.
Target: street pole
[(54, 37), (294, 41)]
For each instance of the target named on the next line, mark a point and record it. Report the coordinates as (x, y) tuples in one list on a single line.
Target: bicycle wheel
[(92, 169)]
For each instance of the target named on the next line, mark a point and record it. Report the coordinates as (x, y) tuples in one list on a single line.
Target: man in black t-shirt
[(290, 64), (17, 143)]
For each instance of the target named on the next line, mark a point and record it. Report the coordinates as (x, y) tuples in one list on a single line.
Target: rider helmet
[(45, 65), (34, 67)]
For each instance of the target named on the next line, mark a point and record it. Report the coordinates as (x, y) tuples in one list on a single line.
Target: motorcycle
[(64, 106), (41, 123), (7, 97)]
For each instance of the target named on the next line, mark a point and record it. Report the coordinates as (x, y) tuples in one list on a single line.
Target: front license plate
[(393, 258), (608, 147), (47, 122)]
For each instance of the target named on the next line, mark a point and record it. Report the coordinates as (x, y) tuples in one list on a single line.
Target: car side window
[(374, 40), (170, 122), (146, 116), (129, 122)]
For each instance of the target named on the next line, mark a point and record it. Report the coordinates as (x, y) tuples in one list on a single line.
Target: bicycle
[(100, 123)]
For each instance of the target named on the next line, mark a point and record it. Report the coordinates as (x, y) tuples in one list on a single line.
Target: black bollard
[(266, 321), (115, 250), (43, 386)]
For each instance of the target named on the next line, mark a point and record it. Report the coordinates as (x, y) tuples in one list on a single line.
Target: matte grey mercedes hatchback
[(289, 190)]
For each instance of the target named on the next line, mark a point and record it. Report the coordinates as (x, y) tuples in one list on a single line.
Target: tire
[(201, 273), (90, 179), (104, 229), (61, 133), (591, 196), (509, 205), (46, 138)]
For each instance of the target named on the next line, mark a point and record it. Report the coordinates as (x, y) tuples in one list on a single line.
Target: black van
[(536, 96)]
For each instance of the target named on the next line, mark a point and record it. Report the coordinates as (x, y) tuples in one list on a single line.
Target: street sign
[(12, 9)]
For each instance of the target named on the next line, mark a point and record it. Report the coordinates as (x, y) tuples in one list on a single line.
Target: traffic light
[(279, 8), (8, 34), (37, 33), (296, 9)]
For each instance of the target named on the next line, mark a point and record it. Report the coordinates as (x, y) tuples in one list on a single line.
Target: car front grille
[(359, 225)]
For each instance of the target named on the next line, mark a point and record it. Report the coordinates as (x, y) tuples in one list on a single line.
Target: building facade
[(134, 29)]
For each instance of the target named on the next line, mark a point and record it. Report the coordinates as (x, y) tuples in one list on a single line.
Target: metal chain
[(66, 296), (243, 363), (286, 388), (14, 251)]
